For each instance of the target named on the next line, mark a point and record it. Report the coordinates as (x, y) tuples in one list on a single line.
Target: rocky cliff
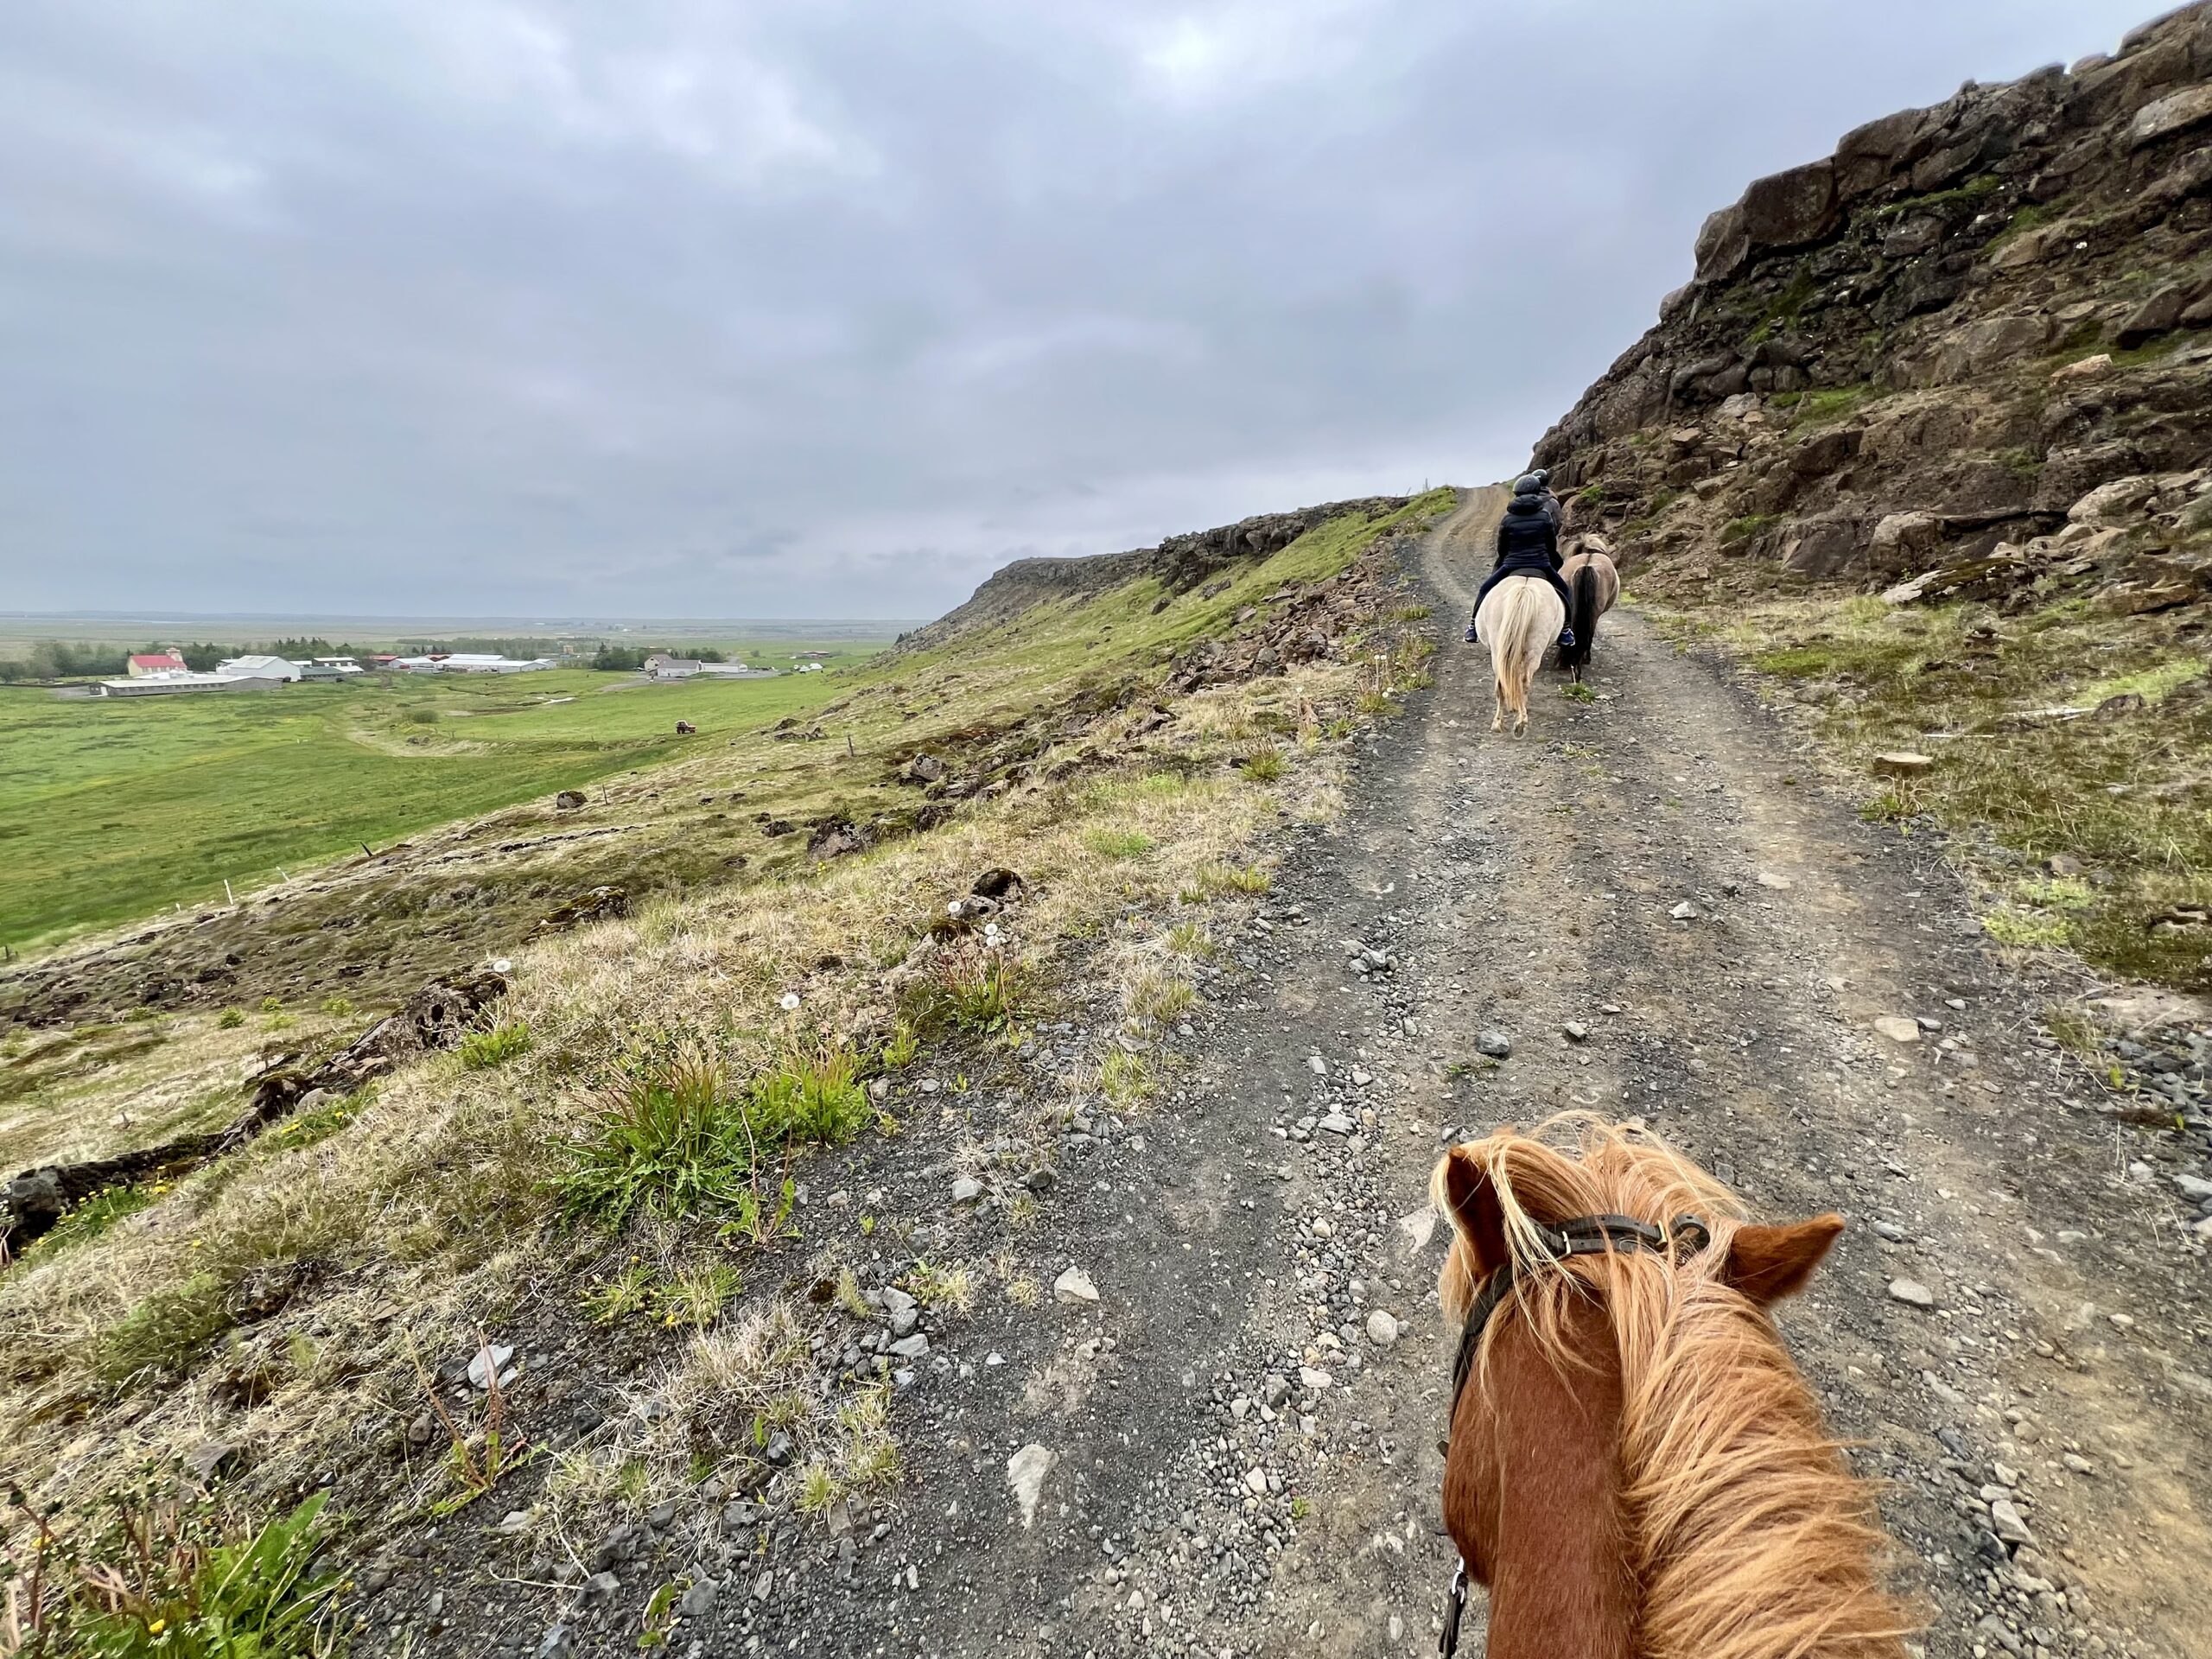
[(1971, 349), (1180, 562)]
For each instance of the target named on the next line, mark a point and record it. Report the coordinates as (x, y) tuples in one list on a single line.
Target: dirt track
[(1519, 886)]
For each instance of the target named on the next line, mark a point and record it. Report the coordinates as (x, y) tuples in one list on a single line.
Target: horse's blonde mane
[(1748, 1536)]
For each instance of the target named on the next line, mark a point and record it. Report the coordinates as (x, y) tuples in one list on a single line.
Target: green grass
[(244, 785), (1974, 189), (2125, 795), (502, 1043), (161, 1578), (165, 1332), (1829, 404), (89, 1219), (685, 1139), (1742, 529), (1118, 843)]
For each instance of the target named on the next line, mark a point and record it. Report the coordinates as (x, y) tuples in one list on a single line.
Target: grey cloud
[(811, 308)]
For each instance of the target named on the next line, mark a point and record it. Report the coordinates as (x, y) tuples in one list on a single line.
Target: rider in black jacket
[(1528, 544)]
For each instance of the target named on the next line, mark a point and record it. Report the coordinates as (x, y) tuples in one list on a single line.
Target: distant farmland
[(111, 809)]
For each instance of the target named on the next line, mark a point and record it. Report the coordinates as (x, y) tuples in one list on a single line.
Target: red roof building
[(155, 662)]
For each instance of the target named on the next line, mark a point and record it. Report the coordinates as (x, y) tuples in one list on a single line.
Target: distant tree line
[(525, 649), (630, 658), (63, 659)]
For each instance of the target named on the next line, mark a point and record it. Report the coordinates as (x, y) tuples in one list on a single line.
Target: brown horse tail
[(1582, 617)]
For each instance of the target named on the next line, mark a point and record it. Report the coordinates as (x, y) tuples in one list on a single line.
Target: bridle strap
[(1585, 1235)]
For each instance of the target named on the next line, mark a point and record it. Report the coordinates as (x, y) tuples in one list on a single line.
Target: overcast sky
[(502, 306)]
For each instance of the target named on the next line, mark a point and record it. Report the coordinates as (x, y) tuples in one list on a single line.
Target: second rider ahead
[(1527, 545)]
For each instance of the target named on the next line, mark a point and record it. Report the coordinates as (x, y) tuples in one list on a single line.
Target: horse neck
[(1549, 1542)]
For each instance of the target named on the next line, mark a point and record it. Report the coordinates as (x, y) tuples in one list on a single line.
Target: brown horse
[(1595, 584), (1636, 1467)]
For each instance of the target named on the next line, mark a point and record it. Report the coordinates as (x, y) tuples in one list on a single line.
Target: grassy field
[(111, 809)]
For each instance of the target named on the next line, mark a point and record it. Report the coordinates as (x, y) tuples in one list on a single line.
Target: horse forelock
[(1734, 1496)]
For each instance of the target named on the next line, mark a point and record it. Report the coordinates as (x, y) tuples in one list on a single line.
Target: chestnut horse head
[(1636, 1467)]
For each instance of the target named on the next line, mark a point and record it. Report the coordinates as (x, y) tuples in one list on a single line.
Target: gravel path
[(1232, 1449)]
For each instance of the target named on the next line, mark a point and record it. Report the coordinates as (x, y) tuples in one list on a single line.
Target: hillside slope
[(1964, 364), (621, 1242)]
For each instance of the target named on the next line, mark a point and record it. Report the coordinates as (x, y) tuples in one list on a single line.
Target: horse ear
[(1767, 1263), (1470, 1202)]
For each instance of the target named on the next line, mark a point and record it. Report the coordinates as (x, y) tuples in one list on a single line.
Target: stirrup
[(1567, 637)]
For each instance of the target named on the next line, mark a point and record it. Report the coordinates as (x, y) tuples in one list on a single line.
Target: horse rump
[(1582, 617)]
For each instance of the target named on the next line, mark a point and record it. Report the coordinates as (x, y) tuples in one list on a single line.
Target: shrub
[(480, 1049), (230, 1019), (337, 1007)]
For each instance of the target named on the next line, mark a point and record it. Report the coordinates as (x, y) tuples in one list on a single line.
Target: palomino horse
[(1591, 578), (1636, 1467), (1518, 619)]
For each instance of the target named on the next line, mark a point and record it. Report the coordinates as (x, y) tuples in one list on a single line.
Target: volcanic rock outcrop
[(1972, 345)]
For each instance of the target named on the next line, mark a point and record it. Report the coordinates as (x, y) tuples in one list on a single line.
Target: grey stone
[(913, 1347), (1381, 1328), (487, 1362), (1074, 1287), (1495, 1044), (967, 1190), (1685, 911), (1913, 1292), (1576, 1032), (1025, 1475), (699, 1600), (556, 1644), (2006, 1521)]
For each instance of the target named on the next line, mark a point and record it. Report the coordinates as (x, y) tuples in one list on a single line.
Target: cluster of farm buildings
[(161, 673), (155, 673)]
